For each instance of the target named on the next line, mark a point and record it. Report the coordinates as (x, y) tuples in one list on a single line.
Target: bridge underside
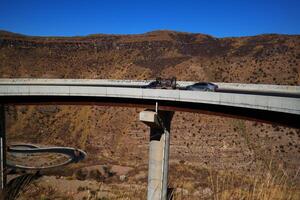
[(266, 116)]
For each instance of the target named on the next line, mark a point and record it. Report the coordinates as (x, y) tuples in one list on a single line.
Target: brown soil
[(114, 136)]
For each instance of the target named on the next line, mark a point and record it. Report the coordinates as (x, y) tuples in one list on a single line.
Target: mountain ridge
[(115, 136)]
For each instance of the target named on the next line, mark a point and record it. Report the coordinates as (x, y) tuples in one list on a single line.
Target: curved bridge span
[(267, 103), (74, 155)]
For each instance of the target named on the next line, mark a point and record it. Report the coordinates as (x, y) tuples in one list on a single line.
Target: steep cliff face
[(114, 135)]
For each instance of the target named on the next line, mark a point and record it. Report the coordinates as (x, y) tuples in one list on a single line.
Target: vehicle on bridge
[(202, 86), (160, 83)]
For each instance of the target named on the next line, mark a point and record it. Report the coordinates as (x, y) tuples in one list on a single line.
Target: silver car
[(202, 86)]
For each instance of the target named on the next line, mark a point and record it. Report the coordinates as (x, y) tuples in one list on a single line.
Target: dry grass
[(210, 184), (261, 186), (265, 183)]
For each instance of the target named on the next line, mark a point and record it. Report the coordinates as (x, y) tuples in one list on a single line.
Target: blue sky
[(215, 17)]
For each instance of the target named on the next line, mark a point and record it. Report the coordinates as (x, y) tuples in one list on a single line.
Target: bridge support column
[(2, 149), (159, 123)]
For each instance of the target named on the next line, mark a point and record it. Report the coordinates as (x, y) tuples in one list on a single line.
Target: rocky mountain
[(114, 135)]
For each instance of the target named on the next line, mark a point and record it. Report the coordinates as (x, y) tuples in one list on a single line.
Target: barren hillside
[(114, 136)]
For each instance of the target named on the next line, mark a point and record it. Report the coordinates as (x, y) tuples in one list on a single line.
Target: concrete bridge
[(74, 155), (267, 103)]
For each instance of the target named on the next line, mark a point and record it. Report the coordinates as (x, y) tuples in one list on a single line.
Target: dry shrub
[(263, 185)]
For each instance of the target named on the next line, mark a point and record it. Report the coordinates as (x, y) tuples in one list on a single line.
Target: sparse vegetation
[(114, 136), (263, 185)]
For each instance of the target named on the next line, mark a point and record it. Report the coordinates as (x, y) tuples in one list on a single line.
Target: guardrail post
[(160, 123), (2, 149)]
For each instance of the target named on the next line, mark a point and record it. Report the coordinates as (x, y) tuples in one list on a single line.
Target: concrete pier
[(2, 149), (159, 123)]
